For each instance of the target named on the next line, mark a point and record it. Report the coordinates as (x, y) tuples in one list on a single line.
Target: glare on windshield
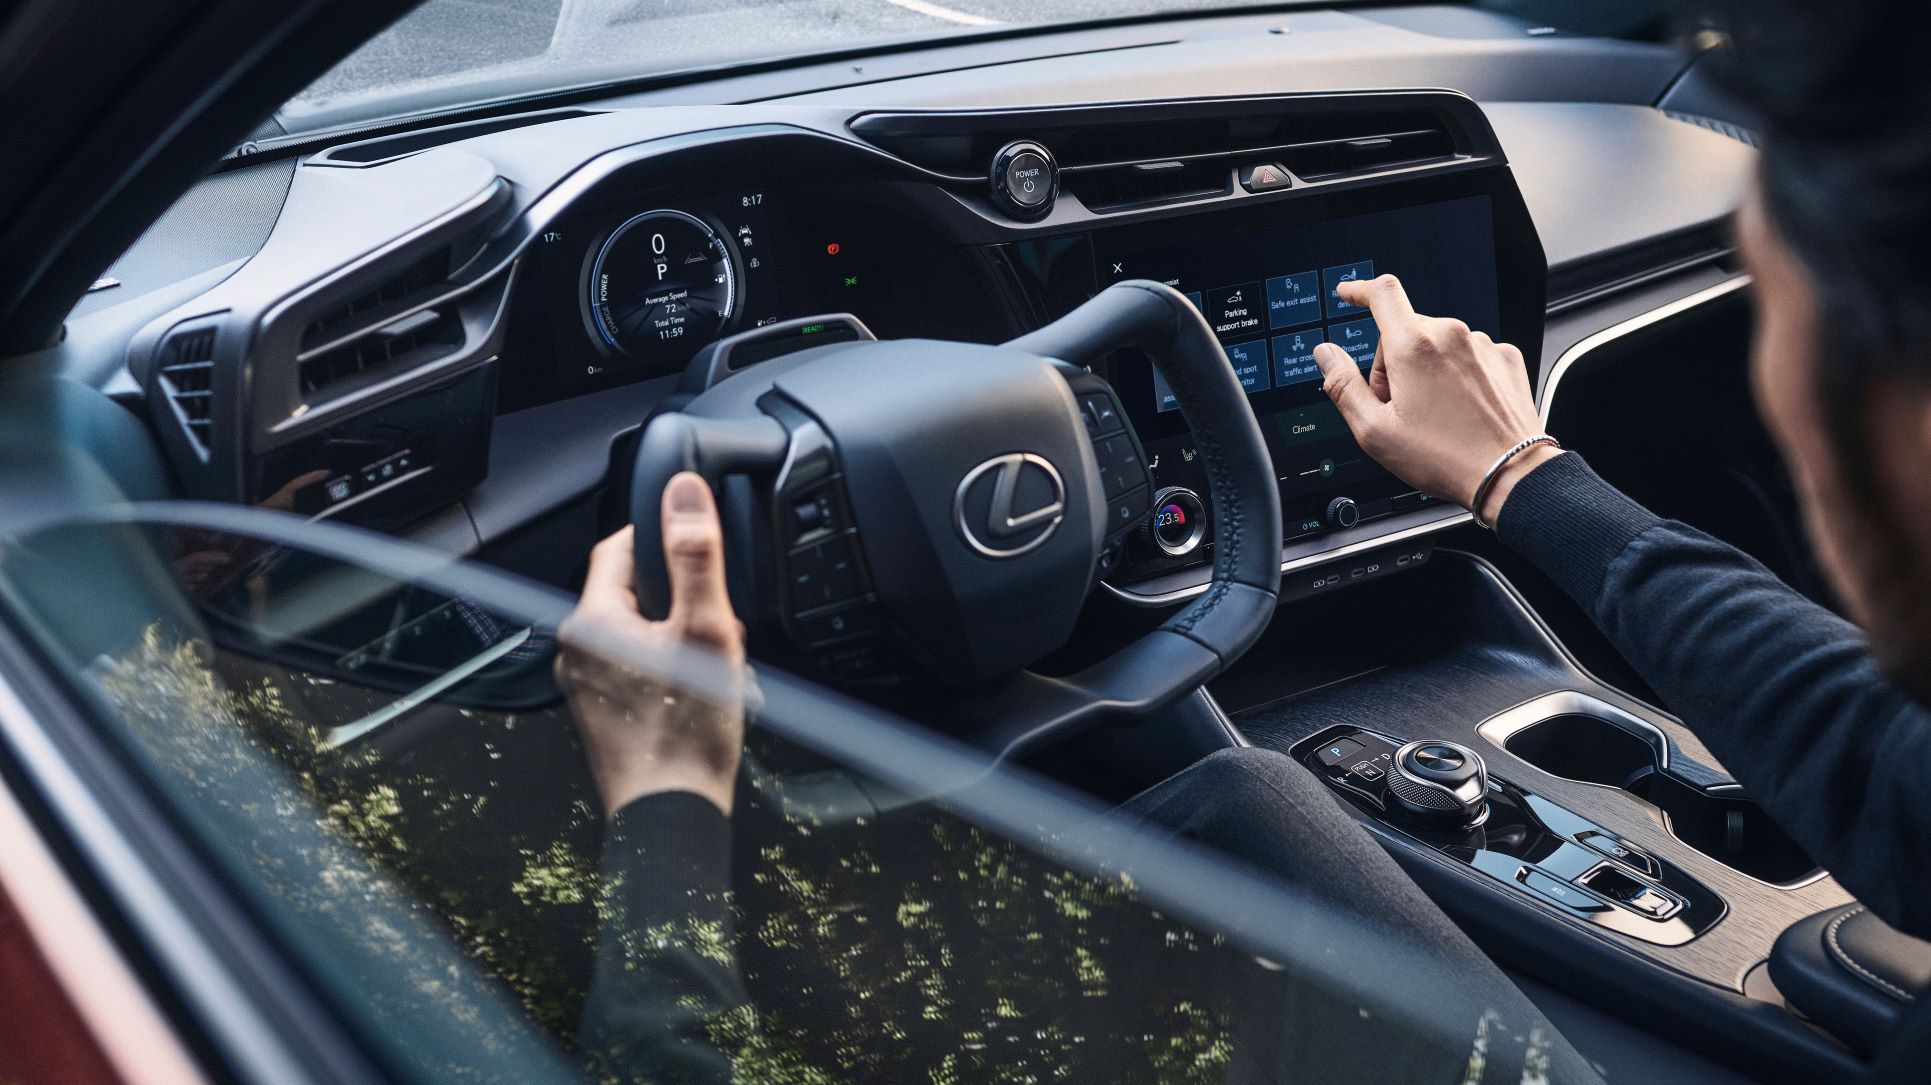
[(447, 47)]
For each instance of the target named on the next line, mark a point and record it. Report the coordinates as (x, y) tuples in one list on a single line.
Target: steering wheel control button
[(1178, 524), (1440, 782), (1010, 504), (1025, 180), (1265, 178), (815, 514), (1101, 415), (1343, 512), (1559, 892), (809, 516), (1120, 468), (1124, 512), (823, 627), (823, 574)]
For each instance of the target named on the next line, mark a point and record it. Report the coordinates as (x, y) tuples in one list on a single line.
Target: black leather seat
[(1851, 973)]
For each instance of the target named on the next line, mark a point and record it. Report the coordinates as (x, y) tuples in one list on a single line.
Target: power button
[(1025, 179)]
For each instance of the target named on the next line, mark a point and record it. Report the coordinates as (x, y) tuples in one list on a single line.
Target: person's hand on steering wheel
[(1441, 404), (642, 734)]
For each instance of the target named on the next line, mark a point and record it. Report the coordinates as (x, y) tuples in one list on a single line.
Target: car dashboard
[(452, 339)]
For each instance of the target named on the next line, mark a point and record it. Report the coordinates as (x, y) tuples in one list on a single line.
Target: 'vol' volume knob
[(1343, 512)]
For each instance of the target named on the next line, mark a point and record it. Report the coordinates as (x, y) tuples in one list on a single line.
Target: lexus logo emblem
[(1010, 504)]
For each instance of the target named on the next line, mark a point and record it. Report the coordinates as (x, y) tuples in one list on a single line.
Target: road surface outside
[(452, 40)]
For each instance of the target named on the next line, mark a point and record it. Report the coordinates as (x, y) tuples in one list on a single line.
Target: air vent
[(403, 321), (378, 305), (1368, 152), (1139, 184), (187, 378), (403, 343)]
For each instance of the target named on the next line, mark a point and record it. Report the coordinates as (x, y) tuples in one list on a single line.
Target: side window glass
[(373, 747)]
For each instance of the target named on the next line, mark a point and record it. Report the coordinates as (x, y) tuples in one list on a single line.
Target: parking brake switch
[(1629, 891)]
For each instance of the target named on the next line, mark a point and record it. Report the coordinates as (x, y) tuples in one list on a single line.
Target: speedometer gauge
[(662, 285)]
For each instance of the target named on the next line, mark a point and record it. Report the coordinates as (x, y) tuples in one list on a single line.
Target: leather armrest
[(1851, 973)]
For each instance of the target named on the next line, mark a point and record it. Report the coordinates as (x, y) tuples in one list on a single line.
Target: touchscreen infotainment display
[(1269, 295)]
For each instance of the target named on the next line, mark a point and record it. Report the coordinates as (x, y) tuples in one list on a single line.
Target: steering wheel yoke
[(942, 509)]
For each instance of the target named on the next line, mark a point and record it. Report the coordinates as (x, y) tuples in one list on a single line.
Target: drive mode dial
[(1178, 523), (1440, 782)]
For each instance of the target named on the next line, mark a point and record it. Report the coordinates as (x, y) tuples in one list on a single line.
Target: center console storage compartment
[(1721, 824)]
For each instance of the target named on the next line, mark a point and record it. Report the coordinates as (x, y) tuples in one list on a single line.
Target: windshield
[(448, 52)]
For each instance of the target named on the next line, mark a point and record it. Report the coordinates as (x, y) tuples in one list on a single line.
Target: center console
[(1525, 843), (1583, 838)]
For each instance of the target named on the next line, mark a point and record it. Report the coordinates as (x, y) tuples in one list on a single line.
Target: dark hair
[(1842, 95)]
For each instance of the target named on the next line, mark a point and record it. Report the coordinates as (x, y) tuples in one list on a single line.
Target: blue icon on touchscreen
[(1294, 357), (1358, 337), (1293, 299), (1347, 273), (1250, 364)]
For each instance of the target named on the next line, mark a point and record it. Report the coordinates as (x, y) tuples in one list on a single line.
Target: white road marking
[(963, 18)]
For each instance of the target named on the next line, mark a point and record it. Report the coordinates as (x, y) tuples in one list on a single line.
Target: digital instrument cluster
[(661, 282), (630, 287)]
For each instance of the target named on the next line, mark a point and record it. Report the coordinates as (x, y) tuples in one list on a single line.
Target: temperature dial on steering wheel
[(1178, 523)]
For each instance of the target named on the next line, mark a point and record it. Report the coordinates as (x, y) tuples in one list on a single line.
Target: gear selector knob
[(1440, 783)]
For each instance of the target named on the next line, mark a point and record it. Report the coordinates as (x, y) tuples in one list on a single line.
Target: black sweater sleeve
[(666, 1000), (1784, 692)]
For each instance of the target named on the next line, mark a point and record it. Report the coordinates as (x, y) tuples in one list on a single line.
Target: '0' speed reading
[(662, 284)]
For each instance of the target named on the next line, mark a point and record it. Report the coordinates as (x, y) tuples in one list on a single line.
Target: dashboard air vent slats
[(404, 320), (1319, 160), (422, 336), (1139, 184), (187, 377), (378, 304)]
